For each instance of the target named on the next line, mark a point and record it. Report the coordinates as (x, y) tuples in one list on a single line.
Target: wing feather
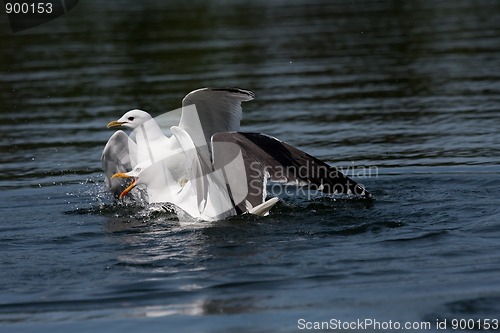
[(119, 155), (267, 157), (218, 110)]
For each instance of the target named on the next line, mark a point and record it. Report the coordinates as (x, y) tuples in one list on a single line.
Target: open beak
[(115, 123), (130, 187)]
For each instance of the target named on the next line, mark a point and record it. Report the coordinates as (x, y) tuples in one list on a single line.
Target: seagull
[(220, 111), (205, 167)]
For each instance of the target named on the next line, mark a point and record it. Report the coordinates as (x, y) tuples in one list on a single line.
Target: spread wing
[(266, 157), (218, 110), (119, 155)]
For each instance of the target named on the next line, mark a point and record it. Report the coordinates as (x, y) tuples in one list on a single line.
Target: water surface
[(409, 91)]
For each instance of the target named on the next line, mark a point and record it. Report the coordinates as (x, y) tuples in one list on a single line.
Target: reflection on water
[(410, 90)]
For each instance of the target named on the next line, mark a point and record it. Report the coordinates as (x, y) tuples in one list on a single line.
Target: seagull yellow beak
[(115, 123), (130, 187)]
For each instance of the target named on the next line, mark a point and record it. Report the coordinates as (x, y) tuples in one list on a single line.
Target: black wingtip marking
[(234, 90)]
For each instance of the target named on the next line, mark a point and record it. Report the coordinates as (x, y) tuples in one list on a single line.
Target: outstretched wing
[(218, 110), (119, 155), (266, 157)]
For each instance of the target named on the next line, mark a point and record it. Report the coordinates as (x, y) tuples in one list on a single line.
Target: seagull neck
[(154, 131)]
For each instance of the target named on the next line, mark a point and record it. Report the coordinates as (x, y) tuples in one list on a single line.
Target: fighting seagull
[(206, 167)]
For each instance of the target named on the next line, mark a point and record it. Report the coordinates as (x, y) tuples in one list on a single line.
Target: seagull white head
[(134, 174), (132, 119)]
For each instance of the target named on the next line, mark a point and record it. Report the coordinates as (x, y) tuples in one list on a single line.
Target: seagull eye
[(130, 118)]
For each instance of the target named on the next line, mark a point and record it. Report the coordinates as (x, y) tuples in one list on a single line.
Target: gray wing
[(266, 157), (118, 155)]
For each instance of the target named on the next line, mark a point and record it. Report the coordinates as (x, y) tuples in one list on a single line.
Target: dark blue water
[(403, 96)]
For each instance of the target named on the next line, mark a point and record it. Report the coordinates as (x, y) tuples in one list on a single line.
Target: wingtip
[(236, 90), (362, 193)]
